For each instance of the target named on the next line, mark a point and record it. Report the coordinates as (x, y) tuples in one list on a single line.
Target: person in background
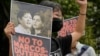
[(82, 50)]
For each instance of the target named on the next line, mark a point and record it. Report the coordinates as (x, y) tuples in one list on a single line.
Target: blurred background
[(70, 9)]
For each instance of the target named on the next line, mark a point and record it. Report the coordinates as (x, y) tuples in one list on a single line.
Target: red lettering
[(36, 54), (31, 53), (16, 44), (26, 46), (21, 39), (37, 49), (27, 40), (43, 50), (16, 50), (32, 48), (39, 43), (34, 41)]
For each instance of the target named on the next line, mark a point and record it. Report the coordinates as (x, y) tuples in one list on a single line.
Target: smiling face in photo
[(26, 20)]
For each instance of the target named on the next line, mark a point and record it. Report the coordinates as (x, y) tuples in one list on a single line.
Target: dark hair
[(51, 4), (21, 13), (41, 17)]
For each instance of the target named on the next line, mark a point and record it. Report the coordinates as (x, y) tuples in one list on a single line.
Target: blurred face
[(57, 14), (37, 22), (26, 20), (57, 20)]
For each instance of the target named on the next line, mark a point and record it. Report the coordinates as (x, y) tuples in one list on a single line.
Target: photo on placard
[(31, 19)]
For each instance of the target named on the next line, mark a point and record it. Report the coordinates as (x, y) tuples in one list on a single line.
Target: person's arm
[(9, 30), (80, 26)]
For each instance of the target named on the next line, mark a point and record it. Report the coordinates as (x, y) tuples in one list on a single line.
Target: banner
[(68, 27)]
